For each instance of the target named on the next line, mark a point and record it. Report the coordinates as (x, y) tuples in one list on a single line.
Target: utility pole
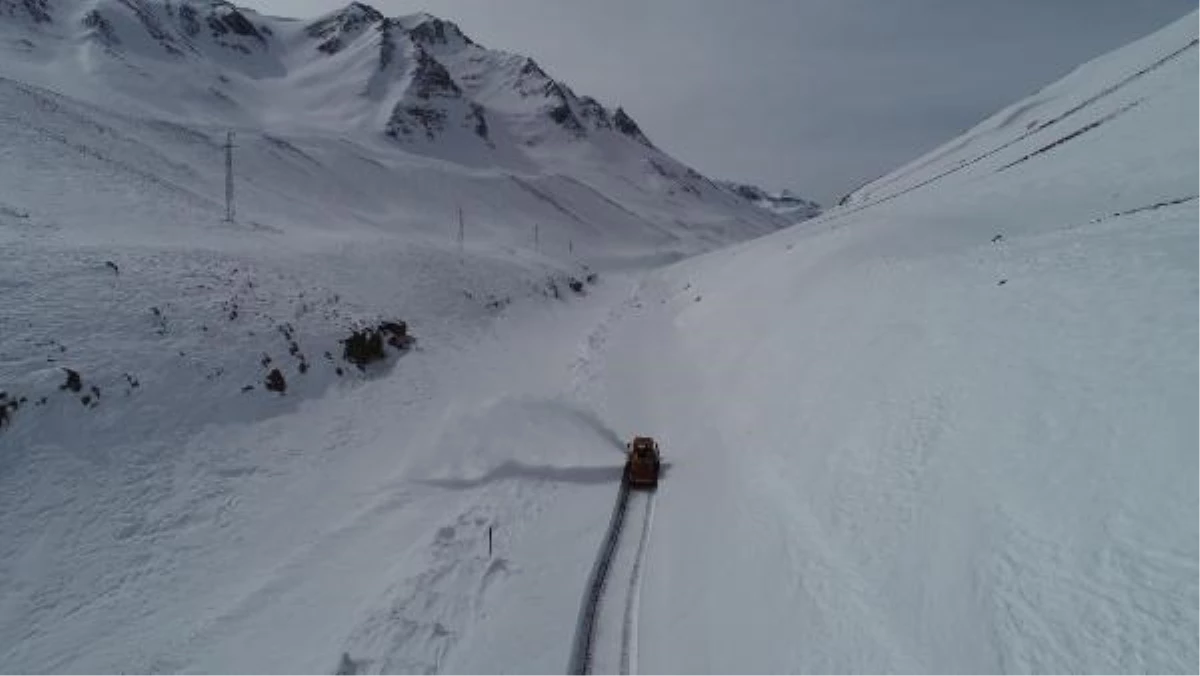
[(536, 246), (571, 246), (229, 212)]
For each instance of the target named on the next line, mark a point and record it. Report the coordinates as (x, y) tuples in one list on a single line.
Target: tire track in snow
[(581, 652), (597, 636), (633, 598)]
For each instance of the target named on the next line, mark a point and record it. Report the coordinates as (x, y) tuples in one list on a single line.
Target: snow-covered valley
[(947, 426)]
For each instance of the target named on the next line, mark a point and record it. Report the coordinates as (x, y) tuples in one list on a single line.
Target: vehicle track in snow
[(634, 594), (606, 634)]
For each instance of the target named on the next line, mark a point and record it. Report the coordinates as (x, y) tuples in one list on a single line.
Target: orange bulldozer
[(642, 463)]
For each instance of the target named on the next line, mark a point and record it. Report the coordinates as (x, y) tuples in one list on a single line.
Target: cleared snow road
[(606, 638)]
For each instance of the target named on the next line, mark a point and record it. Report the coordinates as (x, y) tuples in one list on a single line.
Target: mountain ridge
[(416, 82)]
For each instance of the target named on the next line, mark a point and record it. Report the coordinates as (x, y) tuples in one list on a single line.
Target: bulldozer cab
[(643, 463), (644, 447)]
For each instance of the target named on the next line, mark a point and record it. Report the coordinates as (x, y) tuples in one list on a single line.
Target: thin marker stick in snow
[(229, 177), (461, 232), (489, 542)]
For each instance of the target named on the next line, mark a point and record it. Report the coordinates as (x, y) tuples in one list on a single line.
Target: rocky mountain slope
[(784, 202)]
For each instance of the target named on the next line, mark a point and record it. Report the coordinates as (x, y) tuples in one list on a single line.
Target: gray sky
[(813, 95)]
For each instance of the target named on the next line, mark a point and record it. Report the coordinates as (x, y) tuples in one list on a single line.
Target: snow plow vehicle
[(642, 463)]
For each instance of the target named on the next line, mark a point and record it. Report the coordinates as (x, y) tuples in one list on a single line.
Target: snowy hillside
[(950, 427), (363, 144), (947, 426), (138, 331)]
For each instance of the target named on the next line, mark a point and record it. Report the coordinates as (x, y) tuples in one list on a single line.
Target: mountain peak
[(355, 11), (224, 17), (428, 29), (339, 27), (362, 9)]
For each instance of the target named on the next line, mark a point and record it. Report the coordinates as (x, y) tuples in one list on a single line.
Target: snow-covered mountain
[(784, 202), (356, 136), (415, 85)]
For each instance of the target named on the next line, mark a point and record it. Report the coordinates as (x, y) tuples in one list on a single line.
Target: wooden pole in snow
[(461, 231), (229, 213)]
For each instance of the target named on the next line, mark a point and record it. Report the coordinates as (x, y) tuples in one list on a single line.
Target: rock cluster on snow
[(36, 10), (367, 345)]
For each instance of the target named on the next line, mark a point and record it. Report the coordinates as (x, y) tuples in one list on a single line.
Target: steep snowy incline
[(950, 426), (1089, 97)]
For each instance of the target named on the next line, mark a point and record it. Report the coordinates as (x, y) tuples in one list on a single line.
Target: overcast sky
[(813, 95)]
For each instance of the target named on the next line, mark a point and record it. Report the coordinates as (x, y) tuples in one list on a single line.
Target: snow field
[(949, 427)]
